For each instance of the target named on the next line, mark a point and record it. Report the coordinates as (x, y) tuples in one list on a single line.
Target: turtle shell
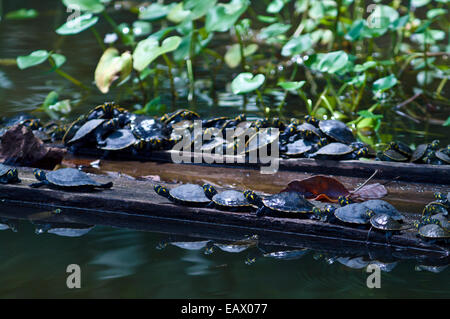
[(352, 213), (308, 129), (190, 193), (261, 139), (443, 220), (86, 129), (337, 131), (146, 128), (433, 231), (298, 148), (443, 157), (231, 198), (393, 155), (119, 140), (70, 177), (334, 149), (213, 144), (288, 202), (382, 207), (402, 148), (385, 222), (419, 152)]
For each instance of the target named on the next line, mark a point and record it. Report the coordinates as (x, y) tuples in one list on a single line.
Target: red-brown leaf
[(371, 191), (318, 187)]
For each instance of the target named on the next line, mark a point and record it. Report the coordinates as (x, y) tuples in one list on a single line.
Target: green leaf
[(419, 3), (356, 31), (184, 49), (382, 17), (51, 99), (297, 45), (141, 28), (447, 123), (21, 14), (59, 59), (224, 15), (61, 107), (153, 107), (77, 25), (198, 8), (369, 115), (112, 67), (365, 66), (274, 30), (384, 84), (433, 13), (266, 19), (35, 58), (233, 55), (246, 82), (154, 11), (276, 5), (332, 62), (149, 50), (177, 14), (94, 6), (291, 86)]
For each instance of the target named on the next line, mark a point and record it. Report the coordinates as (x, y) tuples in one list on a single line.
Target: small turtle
[(8, 175), (337, 131), (380, 207), (216, 122), (187, 194), (312, 120), (440, 158), (390, 155), (351, 214), (299, 148), (289, 204), (435, 207), (96, 129), (401, 148), (339, 151), (443, 198), (107, 110), (72, 129), (441, 218), (423, 151), (229, 199), (261, 140), (119, 140), (289, 131), (433, 232), (309, 131), (67, 178), (383, 222)]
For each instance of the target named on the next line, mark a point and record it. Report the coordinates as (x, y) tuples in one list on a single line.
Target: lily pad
[(35, 58), (77, 25), (148, 50), (246, 82), (112, 67)]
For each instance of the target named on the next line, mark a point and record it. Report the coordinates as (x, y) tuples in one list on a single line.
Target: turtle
[(443, 198), (435, 207), (229, 199), (311, 120), (107, 110), (299, 148), (337, 131), (262, 139), (440, 158), (383, 222), (390, 155), (186, 194), (289, 204), (309, 131), (9, 175), (119, 140), (379, 207), (72, 129), (351, 214), (288, 132), (232, 123), (339, 151), (433, 232), (423, 152), (401, 148), (180, 115), (151, 133), (441, 218), (67, 178), (216, 122)]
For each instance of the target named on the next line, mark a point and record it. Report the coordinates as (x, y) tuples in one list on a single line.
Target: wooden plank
[(410, 172), (138, 198)]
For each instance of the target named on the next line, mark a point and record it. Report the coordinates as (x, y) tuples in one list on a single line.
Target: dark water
[(120, 262)]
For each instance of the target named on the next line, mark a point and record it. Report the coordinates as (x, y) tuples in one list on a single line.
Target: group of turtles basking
[(373, 214), (111, 128)]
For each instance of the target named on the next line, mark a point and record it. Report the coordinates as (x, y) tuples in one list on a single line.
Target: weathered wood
[(138, 198), (424, 173)]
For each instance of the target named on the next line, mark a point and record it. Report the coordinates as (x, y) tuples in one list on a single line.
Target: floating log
[(410, 172), (137, 198)]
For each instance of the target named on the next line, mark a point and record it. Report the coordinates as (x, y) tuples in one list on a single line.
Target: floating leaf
[(371, 191), (94, 6), (77, 25), (384, 84), (246, 82), (21, 14), (297, 45), (35, 58), (154, 11), (148, 50), (224, 15), (112, 67), (319, 187)]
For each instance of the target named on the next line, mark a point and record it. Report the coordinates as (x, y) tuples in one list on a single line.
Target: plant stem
[(142, 87), (241, 49), (191, 80), (336, 25), (97, 37), (172, 83), (67, 76), (115, 27)]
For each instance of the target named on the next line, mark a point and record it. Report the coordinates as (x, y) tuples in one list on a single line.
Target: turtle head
[(39, 174), (363, 151), (12, 175), (108, 107), (393, 145), (318, 212), (209, 190), (162, 191), (240, 118), (429, 210), (253, 198), (439, 196), (370, 213), (295, 121), (311, 120), (322, 142), (435, 144), (343, 201)]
